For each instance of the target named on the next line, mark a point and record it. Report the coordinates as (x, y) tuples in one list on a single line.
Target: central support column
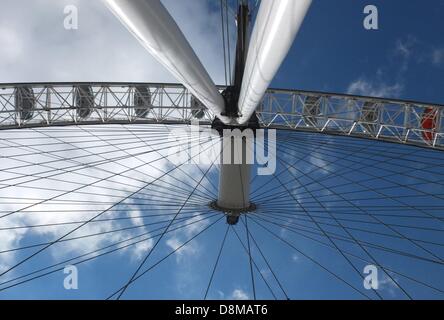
[(237, 156), (235, 172), (237, 159)]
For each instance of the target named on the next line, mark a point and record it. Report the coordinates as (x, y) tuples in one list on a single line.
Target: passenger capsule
[(84, 101), (429, 122), (312, 110), (370, 116), (25, 103), (142, 101)]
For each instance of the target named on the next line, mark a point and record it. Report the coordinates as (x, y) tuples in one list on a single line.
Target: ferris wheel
[(87, 179)]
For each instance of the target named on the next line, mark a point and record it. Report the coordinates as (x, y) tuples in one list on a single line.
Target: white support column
[(235, 173), (156, 30), (276, 27)]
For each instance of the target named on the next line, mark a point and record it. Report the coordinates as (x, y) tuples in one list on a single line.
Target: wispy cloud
[(438, 57), (390, 80), (404, 47), (405, 51), (371, 88), (239, 294), (387, 284), (51, 213), (189, 250), (101, 49)]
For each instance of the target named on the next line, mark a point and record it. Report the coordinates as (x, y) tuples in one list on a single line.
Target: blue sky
[(333, 52), (333, 49)]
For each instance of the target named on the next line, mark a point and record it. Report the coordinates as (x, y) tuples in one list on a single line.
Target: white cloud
[(190, 249), (12, 45), (9, 239), (194, 225), (37, 48), (389, 285), (239, 294), (406, 49), (438, 57), (220, 294), (58, 210), (365, 87), (266, 273)]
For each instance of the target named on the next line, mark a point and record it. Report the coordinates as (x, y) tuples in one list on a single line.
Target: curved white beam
[(156, 30), (276, 27)]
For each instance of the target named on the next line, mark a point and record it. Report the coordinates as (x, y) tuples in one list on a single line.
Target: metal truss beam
[(60, 104)]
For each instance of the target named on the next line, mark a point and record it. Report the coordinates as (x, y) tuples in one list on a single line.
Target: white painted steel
[(234, 176), (156, 30), (276, 27)]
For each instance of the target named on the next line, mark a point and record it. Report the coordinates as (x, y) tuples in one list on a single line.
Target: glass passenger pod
[(369, 117), (25, 103), (429, 123), (142, 101), (312, 110), (197, 108), (84, 101)]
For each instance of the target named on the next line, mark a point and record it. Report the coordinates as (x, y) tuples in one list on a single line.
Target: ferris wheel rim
[(423, 125)]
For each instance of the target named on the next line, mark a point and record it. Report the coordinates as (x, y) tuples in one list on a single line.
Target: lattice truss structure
[(39, 105)]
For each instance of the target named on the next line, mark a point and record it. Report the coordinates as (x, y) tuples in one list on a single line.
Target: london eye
[(87, 180)]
